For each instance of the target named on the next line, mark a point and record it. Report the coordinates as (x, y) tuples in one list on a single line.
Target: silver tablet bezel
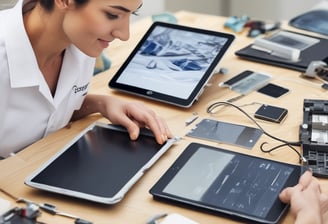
[(104, 200)]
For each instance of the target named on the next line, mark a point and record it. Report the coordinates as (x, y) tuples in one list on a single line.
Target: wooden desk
[(138, 205)]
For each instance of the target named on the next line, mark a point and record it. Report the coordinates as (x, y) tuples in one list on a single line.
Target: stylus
[(233, 99), (52, 210), (154, 219), (191, 120)]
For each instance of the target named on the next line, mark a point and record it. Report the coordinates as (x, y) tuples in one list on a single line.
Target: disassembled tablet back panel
[(314, 135)]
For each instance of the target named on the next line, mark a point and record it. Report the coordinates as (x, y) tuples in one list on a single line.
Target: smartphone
[(273, 90), (271, 113)]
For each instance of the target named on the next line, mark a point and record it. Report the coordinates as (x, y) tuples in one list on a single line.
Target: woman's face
[(93, 26)]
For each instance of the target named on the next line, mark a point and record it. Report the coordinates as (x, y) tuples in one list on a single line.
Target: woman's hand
[(131, 115)]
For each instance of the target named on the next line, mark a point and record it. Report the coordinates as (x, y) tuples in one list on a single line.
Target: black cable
[(285, 143)]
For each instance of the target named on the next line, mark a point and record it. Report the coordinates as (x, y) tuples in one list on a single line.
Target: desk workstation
[(138, 205)]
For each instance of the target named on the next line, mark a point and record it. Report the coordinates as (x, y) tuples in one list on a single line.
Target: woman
[(47, 55)]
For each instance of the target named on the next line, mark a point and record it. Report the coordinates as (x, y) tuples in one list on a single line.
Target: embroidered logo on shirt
[(78, 89)]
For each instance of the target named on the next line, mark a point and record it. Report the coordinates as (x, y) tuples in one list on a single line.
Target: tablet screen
[(225, 132), (228, 182), (172, 63), (100, 165)]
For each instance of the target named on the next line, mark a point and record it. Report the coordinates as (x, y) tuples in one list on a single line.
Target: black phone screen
[(273, 90)]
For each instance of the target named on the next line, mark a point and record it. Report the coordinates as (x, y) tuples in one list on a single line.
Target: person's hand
[(308, 204), (131, 115), (135, 115)]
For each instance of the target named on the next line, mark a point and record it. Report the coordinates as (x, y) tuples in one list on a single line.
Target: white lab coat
[(28, 111)]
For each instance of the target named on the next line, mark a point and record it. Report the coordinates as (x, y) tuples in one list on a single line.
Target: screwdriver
[(53, 210), (47, 208)]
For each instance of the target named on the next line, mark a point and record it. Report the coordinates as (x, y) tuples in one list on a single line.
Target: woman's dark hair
[(49, 4)]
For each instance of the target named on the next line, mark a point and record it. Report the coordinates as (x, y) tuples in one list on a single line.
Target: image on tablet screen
[(172, 61)]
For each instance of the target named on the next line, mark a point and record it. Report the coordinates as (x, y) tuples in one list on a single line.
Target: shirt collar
[(23, 66)]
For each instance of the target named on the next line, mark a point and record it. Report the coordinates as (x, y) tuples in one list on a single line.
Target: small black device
[(226, 182), (273, 90), (271, 113)]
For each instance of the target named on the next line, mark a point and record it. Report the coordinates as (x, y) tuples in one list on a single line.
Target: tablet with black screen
[(226, 182), (101, 164), (172, 63)]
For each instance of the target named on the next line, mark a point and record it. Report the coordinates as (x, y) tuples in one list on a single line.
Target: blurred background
[(256, 9)]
